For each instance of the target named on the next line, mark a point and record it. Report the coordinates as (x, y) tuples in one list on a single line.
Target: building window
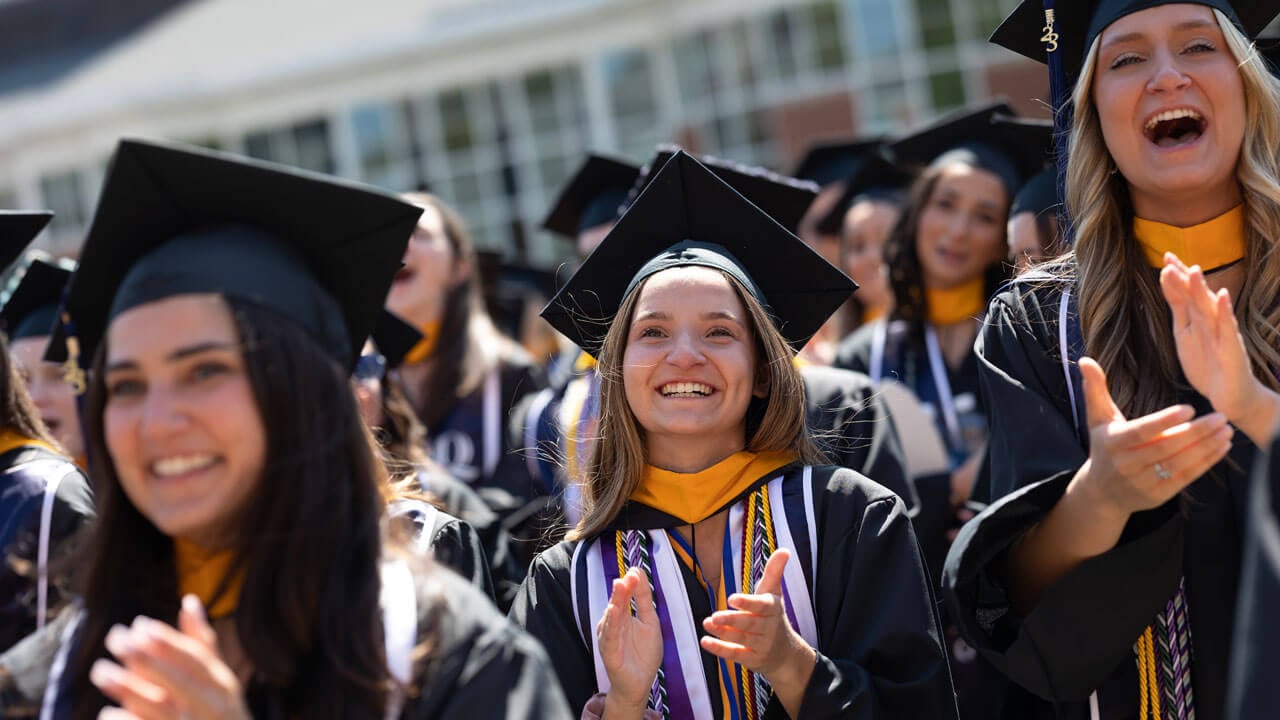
[(64, 194), (384, 148), (877, 27), (947, 90), (633, 101), (305, 145), (937, 25)]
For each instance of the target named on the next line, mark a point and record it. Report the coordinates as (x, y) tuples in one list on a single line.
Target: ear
[(761, 387), (461, 272)]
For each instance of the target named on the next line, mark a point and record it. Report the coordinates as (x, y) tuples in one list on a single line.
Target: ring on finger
[(1161, 472)]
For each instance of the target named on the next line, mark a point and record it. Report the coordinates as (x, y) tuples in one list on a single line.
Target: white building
[(491, 103)]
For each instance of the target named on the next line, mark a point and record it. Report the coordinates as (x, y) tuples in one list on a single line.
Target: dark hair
[(308, 541), (17, 412), (906, 278), (459, 364)]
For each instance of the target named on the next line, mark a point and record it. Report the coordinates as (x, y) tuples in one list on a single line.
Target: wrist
[(1260, 419), (618, 706), (796, 668), (1085, 499)]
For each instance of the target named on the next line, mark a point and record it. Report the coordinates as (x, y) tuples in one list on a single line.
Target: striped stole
[(758, 524)]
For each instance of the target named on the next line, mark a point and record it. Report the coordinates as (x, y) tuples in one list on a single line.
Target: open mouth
[(1174, 128), (685, 390), (402, 275), (182, 465)]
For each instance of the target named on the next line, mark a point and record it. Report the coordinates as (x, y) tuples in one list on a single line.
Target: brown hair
[(617, 458)]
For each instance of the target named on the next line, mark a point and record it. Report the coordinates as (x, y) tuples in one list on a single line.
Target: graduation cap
[(176, 220), (990, 137), (830, 162), (394, 337), (687, 215), (32, 307), (1038, 196), (593, 196), (876, 177), (784, 199)]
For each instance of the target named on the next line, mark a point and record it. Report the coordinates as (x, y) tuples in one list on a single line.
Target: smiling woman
[(765, 583), (239, 565), (1104, 577)]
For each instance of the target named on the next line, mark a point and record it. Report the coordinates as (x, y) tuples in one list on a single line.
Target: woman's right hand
[(1141, 464), (630, 646)]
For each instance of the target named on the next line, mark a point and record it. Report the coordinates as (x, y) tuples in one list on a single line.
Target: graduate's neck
[(1184, 210), (688, 453)]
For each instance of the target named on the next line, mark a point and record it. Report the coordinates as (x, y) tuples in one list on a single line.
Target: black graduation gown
[(851, 425), (454, 544), (1080, 636), (462, 502), (25, 472), (480, 665), (460, 443), (880, 653), (1255, 663)]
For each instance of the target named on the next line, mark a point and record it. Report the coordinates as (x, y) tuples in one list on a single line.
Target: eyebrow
[(1198, 24), (180, 354), (712, 315)]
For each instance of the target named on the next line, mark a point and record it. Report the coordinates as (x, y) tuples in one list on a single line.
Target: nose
[(1167, 75), (685, 352), (162, 415)]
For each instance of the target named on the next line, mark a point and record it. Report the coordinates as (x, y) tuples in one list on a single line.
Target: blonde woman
[(765, 584), (1104, 580)]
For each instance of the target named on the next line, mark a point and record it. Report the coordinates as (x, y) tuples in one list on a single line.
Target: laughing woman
[(1105, 578), (235, 476), (766, 584)]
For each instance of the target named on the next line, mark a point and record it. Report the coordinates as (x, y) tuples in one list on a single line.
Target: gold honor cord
[(72, 373)]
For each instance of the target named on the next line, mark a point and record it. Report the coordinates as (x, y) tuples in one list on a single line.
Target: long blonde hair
[(1123, 313), (617, 456)]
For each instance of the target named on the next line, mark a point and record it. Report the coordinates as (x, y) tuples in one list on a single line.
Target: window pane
[(312, 142), (64, 195), (877, 20), (937, 29), (456, 120), (693, 66), (782, 44), (828, 44), (947, 90)]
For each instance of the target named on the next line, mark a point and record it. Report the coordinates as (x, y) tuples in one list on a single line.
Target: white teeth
[(686, 389), (1174, 115), (181, 464)]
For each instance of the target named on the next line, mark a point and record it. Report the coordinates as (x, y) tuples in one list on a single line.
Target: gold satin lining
[(694, 497), (963, 302), (201, 571), (424, 347), (1210, 245)]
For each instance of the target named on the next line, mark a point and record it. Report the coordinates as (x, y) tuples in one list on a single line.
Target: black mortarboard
[(1039, 195), (32, 307), (593, 195), (687, 215), (991, 137), (876, 177), (830, 162), (784, 199), (17, 229), (174, 220), (394, 337)]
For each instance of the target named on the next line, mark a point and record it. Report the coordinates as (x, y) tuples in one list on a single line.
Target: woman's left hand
[(1212, 352), (169, 673), (756, 634)]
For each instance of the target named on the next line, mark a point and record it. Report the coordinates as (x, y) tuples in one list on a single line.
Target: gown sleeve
[(1255, 661), (544, 608), (874, 604), (455, 544), (483, 666), (1084, 625)]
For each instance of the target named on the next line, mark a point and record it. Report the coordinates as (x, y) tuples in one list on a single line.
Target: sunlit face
[(181, 424), (430, 270), (826, 245), (1171, 103), (50, 392), (867, 225), (1026, 247), (689, 369), (962, 224)]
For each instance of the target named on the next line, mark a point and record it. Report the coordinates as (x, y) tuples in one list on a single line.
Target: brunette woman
[(1104, 578), (766, 584), (239, 565)]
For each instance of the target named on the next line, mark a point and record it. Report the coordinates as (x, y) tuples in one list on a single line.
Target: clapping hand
[(630, 646), (164, 673)]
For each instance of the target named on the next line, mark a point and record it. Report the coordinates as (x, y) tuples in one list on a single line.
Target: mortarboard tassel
[(1059, 97), (74, 371)]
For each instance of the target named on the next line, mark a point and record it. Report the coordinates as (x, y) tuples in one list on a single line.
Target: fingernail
[(191, 604), (119, 640), (103, 673)]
